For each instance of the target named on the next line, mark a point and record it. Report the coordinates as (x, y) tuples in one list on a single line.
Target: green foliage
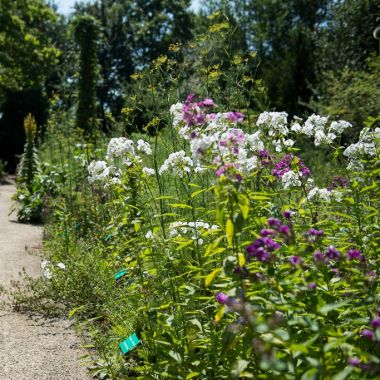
[(347, 40), (352, 94), (28, 57), (128, 46)]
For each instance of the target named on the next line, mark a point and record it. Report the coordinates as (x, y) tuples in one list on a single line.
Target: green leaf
[(244, 205), (210, 277), (73, 311), (238, 367), (311, 374), (343, 374), (175, 355), (332, 306), (229, 232), (180, 205), (192, 375)]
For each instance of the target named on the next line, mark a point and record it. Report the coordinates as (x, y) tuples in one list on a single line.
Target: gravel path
[(31, 348)]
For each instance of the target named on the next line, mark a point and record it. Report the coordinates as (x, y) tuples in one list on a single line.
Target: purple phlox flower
[(235, 136), (312, 285), (206, 103), (284, 229), (194, 135), (274, 222), (332, 253), (355, 254), (235, 117), (190, 97), (367, 334), (318, 257), (222, 298), (338, 182), (266, 232), (238, 177), (211, 116), (200, 118), (265, 157), (287, 163), (354, 361), (288, 214), (375, 323), (335, 271), (221, 170), (295, 260), (314, 232), (371, 275), (262, 248)]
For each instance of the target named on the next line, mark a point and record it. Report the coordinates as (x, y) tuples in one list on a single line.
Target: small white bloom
[(149, 171), (45, 269), (275, 122), (176, 110), (296, 127), (118, 147), (290, 179), (144, 147), (339, 127), (178, 163), (61, 266)]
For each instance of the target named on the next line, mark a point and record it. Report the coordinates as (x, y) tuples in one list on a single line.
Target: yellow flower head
[(30, 125)]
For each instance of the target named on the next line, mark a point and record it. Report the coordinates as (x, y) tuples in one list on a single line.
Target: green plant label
[(119, 275), (129, 344)]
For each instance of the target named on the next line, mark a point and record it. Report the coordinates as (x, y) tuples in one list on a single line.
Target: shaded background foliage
[(313, 56)]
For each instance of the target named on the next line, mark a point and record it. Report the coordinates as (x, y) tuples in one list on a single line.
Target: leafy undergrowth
[(236, 264)]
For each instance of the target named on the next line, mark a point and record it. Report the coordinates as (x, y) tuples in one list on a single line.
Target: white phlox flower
[(119, 147), (148, 171), (178, 163), (143, 146), (275, 122), (323, 195), (176, 110), (291, 179), (179, 229)]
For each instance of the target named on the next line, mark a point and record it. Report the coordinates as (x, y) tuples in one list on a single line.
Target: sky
[(65, 6)]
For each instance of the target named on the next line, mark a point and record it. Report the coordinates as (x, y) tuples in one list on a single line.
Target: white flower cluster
[(124, 149), (120, 151), (178, 163), (274, 122), (178, 229), (316, 126), (233, 145), (323, 195), (119, 147), (99, 171), (366, 147), (291, 179), (148, 171), (46, 268), (144, 147), (176, 110)]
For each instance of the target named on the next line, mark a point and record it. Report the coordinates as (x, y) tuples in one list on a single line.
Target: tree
[(133, 34), (347, 40), (27, 59), (86, 33)]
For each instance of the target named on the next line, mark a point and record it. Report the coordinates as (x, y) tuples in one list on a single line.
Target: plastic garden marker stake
[(129, 344), (119, 275)]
